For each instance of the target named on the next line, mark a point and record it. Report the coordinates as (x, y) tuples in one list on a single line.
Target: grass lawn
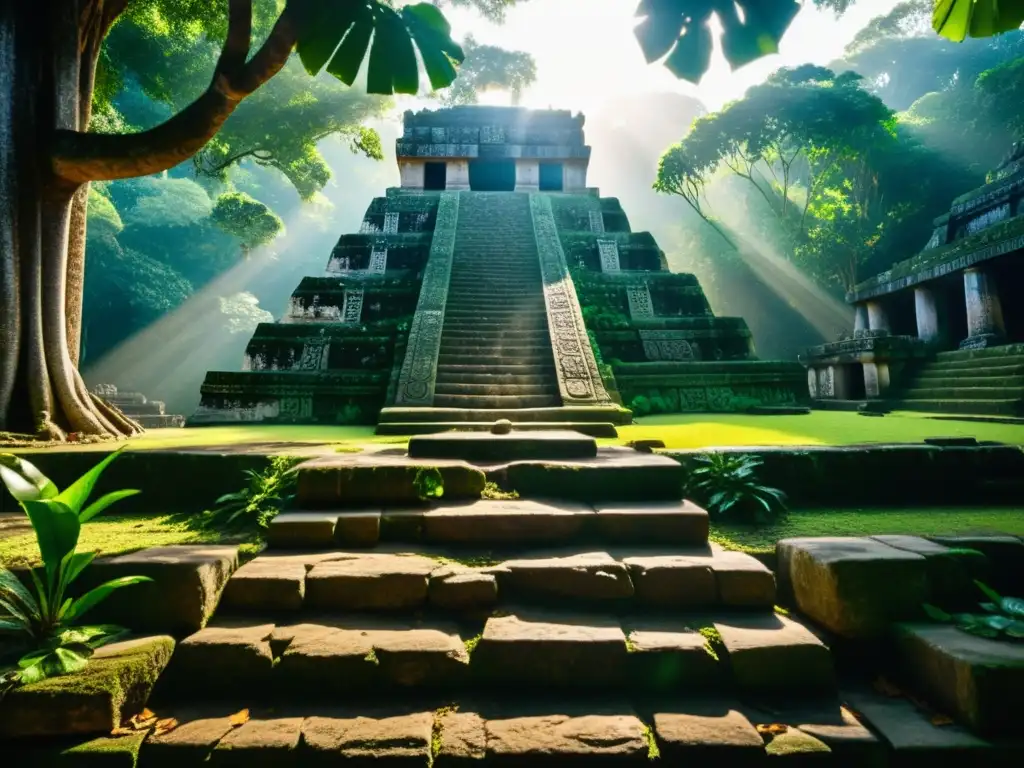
[(918, 521), (126, 533), (676, 430)]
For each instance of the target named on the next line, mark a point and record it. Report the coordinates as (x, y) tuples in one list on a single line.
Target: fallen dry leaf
[(166, 725), (772, 729), (240, 718), (886, 688), (122, 731), (940, 720)]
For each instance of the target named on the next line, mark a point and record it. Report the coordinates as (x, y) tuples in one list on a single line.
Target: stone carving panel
[(669, 345), (597, 222), (988, 218), (826, 385), (609, 251), (353, 310), (378, 261), (579, 380), (314, 356), (812, 382), (295, 408), (640, 305), (419, 369), (391, 223)]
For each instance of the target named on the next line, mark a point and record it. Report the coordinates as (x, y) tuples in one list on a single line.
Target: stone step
[(962, 393), (576, 413), (1003, 351), (493, 358), (486, 302), (519, 285), (491, 379), (497, 401), (962, 363), (974, 407), (968, 379), (548, 388), (457, 372), (504, 446), (592, 428), (501, 729), (316, 658), (538, 335), (495, 311), (502, 349)]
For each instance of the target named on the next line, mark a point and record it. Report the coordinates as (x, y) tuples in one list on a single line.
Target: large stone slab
[(187, 583), (951, 572), (1005, 555), (668, 581), (267, 583), (653, 523), (613, 737), (506, 522), (969, 677), (191, 743), (742, 581), (462, 740), (457, 587), (114, 686), (420, 655), (586, 576), (665, 654), (398, 740), (324, 658), (259, 743), (774, 653), (490, 447), (540, 648), (369, 582), (228, 655), (851, 744), (358, 529), (853, 587), (691, 732), (292, 530)]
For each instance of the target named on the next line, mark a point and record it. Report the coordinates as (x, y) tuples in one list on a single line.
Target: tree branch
[(80, 157)]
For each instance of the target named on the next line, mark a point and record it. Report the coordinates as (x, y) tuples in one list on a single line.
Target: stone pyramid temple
[(495, 284)]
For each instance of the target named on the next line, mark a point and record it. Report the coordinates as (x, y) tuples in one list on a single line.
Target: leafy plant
[(429, 483), (1003, 617), (727, 485), (48, 618), (267, 493)]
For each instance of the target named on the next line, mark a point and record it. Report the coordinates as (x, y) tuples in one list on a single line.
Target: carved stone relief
[(640, 305), (353, 310), (314, 356), (609, 251), (597, 222), (669, 345), (390, 223), (378, 261), (988, 218)]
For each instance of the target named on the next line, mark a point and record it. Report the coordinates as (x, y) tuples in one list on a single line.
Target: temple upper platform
[(493, 149)]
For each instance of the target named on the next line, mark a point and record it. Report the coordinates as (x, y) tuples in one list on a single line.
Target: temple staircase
[(495, 360), (983, 382)]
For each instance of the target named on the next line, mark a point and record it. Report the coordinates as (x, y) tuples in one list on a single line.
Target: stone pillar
[(841, 382), (927, 306), (457, 175), (984, 311), (412, 173), (878, 318), (574, 175), (527, 175), (860, 318), (876, 379), (812, 383)]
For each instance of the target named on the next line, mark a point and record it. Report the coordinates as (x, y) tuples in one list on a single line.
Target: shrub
[(1002, 617), (47, 620), (267, 493), (727, 486)]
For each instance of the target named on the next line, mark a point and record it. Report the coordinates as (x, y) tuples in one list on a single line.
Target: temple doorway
[(551, 177), (492, 175), (1009, 272), (435, 176)]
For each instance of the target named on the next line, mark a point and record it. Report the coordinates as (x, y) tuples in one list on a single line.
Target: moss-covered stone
[(114, 686), (105, 752)]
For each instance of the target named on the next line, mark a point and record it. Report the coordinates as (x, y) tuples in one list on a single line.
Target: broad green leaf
[(24, 480), (990, 607), (12, 625), (74, 567), (657, 36), (70, 660), (103, 502), (997, 622), (56, 527), (958, 19), (1015, 630), (15, 613), (76, 494), (94, 596), (967, 619), (936, 613), (33, 673), (990, 593), (33, 657), (439, 52), (429, 17), (1013, 606), (42, 593), (237, 496), (393, 65), (980, 629), (351, 53), (321, 29), (11, 586)]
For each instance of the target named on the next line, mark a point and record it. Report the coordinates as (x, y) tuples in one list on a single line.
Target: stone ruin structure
[(495, 284), (149, 413), (940, 332)]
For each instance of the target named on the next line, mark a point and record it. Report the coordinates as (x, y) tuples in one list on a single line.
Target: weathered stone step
[(491, 379), (500, 729), (494, 311), (505, 369), (520, 286), (966, 379), (535, 335), (529, 649), (469, 446), (592, 428), (577, 413), (963, 393), (487, 302), (496, 401), (976, 407), (491, 358), (960, 364), (548, 388), (503, 349)]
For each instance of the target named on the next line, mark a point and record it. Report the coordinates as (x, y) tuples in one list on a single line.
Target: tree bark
[(10, 317)]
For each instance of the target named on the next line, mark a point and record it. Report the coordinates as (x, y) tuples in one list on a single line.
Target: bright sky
[(586, 52)]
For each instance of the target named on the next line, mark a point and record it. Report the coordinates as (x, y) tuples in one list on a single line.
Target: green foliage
[(429, 483), (168, 202), (727, 486), (46, 620), (1003, 617), (957, 19), (488, 67), (641, 405), (103, 216), (247, 219), (266, 493)]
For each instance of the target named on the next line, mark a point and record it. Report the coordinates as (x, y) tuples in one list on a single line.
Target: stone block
[(852, 745), (742, 581), (358, 529), (969, 677), (672, 580), (615, 738), (401, 525), (191, 743), (267, 583), (114, 686), (101, 752), (355, 479), (420, 655), (776, 654), (324, 657), (463, 740), (667, 655), (459, 588), (1005, 555), (713, 731), (187, 584), (393, 741), (369, 582), (541, 649), (951, 572), (506, 522), (488, 447), (228, 655), (294, 530), (653, 523), (853, 587), (590, 576), (259, 744)]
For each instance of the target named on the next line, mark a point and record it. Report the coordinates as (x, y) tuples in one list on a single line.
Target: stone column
[(876, 379), (527, 175), (984, 311), (812, 383), (927, 306), (860, 318), (878, 318), (412, 173), (841, 382), (574, 175), (457, 175)]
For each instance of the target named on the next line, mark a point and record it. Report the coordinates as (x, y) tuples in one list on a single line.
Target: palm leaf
[(11, 586), (990, 593), (100, 593), (76, 494), (103, 502)]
